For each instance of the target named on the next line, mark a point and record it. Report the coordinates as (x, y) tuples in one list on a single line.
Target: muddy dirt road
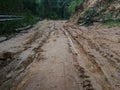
[(55, 55)]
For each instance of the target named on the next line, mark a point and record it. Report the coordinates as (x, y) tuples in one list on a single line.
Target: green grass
[(112, 23), (8, 27)]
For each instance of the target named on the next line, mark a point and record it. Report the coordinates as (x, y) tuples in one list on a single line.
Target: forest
[(33, 11), (53, 9)]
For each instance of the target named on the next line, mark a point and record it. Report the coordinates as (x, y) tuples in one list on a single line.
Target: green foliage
[(86, 12), (31, 5), (89, 13), (57, 9), (9, 27), (107, 15), (53, 16), (112, 22), (52, 9), (10, 6), (108, 1), (73, 5)]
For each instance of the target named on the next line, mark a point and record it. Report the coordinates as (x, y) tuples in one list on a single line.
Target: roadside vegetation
[(53, 9), (112, 23), (31, 10), (8, 27)]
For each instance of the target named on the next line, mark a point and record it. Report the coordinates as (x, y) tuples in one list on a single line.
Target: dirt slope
[(96, 11), (55, 55)]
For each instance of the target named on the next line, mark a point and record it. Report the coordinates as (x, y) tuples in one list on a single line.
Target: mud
[(56, 55)]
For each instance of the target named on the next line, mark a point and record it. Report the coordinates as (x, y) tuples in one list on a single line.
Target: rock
[(3, 39)]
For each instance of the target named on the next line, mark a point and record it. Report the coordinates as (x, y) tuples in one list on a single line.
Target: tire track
[(91, 62), (85, 81)]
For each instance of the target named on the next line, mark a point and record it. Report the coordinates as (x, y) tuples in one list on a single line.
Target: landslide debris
[(90, 11)]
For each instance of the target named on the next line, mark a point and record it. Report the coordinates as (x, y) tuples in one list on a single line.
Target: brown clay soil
[(56, 55)]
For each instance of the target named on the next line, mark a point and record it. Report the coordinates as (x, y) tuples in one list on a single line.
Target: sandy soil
[(55, 55)]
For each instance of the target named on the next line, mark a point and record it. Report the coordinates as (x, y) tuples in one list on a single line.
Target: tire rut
[(85, 81), (91, 62)]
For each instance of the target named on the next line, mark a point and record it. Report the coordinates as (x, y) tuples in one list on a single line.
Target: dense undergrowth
[(55, 9), (50, 9), (9, 27)]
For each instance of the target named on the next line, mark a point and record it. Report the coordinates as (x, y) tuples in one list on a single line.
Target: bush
[(8, 27), (73, 4), (112, 22)]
